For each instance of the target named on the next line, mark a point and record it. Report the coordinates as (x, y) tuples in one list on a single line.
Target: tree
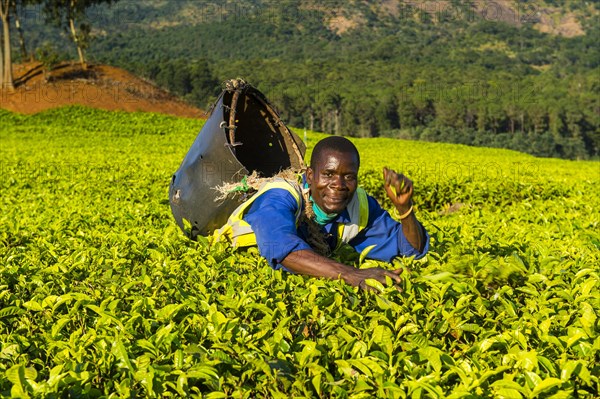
[(330, 104), (1, 61), (49, 58), (6, 76), (64, 13), (15, 10), (406, 113)]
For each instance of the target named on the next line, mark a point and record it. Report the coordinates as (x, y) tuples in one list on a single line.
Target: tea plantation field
[(101, 295)]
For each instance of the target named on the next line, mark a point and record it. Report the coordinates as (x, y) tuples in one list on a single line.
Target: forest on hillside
[(460, 71)]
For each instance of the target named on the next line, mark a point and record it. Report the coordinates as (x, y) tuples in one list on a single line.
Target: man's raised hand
[(399, 189)]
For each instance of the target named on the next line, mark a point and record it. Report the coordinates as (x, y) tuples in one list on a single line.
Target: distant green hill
[(515, 74)]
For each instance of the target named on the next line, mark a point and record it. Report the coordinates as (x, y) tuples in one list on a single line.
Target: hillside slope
[(558, 17), (101, 86), (503, 73)]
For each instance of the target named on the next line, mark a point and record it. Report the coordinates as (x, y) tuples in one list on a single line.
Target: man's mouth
[(336, 199)]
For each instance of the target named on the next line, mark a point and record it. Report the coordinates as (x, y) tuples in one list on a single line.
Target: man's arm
[(413, 231), (308, 262), (384, 237), (399, 189), (273, 221), (272, 218)]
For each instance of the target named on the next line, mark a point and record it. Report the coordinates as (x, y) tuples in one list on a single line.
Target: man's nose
[(339, 183)]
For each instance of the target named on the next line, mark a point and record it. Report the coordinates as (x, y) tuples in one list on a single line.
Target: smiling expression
[(333, 180)]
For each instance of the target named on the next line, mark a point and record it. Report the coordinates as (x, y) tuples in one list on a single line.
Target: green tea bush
[(101, 295)]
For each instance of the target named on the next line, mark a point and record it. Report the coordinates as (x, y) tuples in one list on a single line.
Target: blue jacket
[(272, 217)]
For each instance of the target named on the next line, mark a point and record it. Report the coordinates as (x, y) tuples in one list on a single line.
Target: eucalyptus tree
[(6, 75), (68, 14)]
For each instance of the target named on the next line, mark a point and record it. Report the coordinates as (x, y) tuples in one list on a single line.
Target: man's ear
[(309, 175)]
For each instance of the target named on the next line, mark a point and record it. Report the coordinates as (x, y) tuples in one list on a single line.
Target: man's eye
[(350, 177)]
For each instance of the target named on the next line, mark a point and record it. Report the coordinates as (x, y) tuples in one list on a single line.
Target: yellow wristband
[(404, 215)]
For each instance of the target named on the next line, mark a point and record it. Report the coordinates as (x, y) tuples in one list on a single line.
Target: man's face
[(334, 180)]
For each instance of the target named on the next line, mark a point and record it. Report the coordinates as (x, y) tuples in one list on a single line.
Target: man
[(296, 227)]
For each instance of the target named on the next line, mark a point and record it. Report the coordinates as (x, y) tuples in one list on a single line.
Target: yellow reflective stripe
[(242, 234), (246, 240), (237, 215), (363, 218), (224, 231), (340, 234), (238, 230)]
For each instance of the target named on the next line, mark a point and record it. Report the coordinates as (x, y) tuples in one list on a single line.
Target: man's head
[(333, 173)]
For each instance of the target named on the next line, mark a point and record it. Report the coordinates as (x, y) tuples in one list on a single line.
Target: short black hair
[(336, 143)]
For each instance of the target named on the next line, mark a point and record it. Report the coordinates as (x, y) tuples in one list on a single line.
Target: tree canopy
[(484, 76)]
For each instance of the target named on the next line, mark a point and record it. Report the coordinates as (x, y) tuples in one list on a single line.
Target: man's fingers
[(381, 276), (390, 189), (387, 176), (366, 287), (398, 185), (397, 182), (393, 275), (408, 186)]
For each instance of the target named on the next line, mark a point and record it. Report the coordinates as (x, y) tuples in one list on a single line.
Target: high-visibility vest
[(240, 233)]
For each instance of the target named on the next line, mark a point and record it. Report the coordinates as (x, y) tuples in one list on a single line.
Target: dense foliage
[(101, 295), (436, 71)]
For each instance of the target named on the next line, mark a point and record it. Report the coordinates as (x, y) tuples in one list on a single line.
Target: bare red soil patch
[(100, 86)]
